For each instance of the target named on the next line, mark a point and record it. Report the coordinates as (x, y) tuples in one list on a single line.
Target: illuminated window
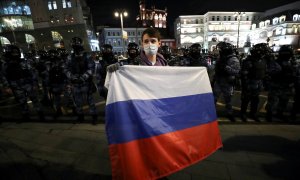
[(282, 18), (261, 24), (275, 20), (253, 26), (295, 29), (66, 3), (295, 17), (56, 36), (52, 5), (29, 39), (278, 31), (69, 19)]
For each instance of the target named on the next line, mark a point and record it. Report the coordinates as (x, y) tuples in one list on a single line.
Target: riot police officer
[(79, 71), (253, 72), (296, 105), (57, 80), (166, 52), (226, 70), (133, 52), (282, 84), (108, 58), (195, 58), (18, 78), (41, 68)]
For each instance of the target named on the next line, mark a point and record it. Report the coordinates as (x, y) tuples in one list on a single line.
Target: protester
[(149, 55)]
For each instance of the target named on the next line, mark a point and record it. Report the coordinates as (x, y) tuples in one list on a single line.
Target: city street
[(64, 149)]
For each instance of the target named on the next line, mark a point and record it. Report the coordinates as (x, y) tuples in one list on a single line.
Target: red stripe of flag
[(159, 156)]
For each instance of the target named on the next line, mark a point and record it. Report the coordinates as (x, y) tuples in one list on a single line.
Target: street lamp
[(238, 16), (11, 27), (121, 14), (136, 30)]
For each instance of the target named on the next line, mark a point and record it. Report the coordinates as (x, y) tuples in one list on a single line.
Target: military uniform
[(281, 84), (18, 75), (107, 59), (253, 73), (57, 80), (226, 70), (79, 71)]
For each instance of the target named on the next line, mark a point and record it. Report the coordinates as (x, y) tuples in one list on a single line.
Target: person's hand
[(77, 80), (113, 67)]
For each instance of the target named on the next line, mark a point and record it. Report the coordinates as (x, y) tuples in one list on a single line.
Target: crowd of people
[(59, 79)]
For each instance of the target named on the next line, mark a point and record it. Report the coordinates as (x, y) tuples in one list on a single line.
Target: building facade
[(152, 17), (113, 37), (213, 27), (276, 26), (16, 25), (48, 24)]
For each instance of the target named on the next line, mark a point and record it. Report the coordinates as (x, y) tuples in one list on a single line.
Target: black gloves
[(77, 80), (113, 67)]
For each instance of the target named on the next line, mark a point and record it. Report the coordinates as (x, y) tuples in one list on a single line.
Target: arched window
[(295, 29), (295, 17), (282, 19), (156, 20), (56, 36), (29, 39), (275, 20), (4, 41)]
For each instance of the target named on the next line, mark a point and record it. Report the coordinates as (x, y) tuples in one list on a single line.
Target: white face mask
[(150, 49)]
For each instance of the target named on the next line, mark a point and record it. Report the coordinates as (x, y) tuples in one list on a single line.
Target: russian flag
[(159, 120)]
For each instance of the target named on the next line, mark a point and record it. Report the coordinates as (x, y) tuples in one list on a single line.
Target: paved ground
[(61, 149), (35, 150)]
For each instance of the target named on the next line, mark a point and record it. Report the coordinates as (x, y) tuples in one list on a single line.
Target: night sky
[(103, 10)]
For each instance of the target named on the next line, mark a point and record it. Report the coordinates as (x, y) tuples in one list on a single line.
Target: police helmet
[(133, 45), (76, 41), (196, 47), (260, 49), (133, 49), (195, 50), (286, 50), (106, 49), (225, 48), (53, 53), (12, 51)]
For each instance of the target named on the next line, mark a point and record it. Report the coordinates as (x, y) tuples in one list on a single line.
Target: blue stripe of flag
[(137, 119)]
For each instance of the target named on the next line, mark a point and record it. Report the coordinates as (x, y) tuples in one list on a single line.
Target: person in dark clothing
[(19, 78), (133, 52), (253, 73), (108, 58), (281, 84), (79, 71), (226, 69)]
